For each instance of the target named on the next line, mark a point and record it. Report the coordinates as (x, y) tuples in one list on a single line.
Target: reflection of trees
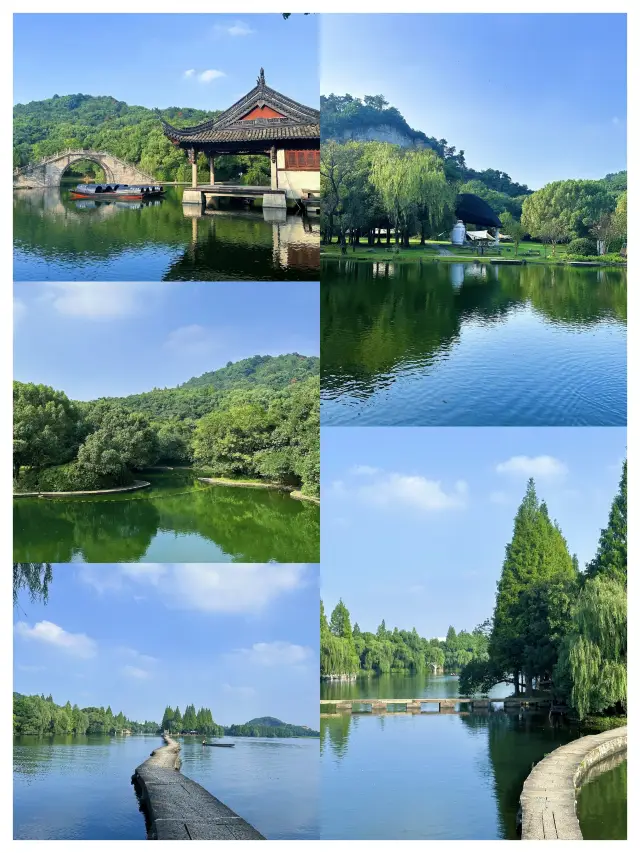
[(37, 754), (377, 317), (602, 801), (35, 577), (334, 734), (515, 743), (249, 524)]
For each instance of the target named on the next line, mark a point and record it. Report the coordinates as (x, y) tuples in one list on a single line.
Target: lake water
[(57, 238), (177, 520), (602, 801), (408, 344), (429, 776), (80, 788)]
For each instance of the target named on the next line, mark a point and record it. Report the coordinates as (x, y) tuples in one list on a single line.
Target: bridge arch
[(48, 173)]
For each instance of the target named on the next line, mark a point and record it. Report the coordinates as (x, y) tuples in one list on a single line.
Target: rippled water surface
[(602, 801), (57, 238), (427, 776), (177, 520), (470, 344), (80, 787)]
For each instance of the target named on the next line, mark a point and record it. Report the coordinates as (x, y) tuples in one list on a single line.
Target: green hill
[(269, 727), (134, 133)]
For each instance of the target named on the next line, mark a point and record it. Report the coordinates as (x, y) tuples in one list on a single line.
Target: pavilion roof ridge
[(295, 112)]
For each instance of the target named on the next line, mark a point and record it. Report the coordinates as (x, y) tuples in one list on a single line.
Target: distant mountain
[(269, 727)]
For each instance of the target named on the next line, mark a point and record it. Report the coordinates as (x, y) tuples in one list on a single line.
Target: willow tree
[(593, 661), (611, 558), (412, 187), (35, 577), (337, 648)]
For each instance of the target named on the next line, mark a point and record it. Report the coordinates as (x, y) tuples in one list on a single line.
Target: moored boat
[(117, 191)]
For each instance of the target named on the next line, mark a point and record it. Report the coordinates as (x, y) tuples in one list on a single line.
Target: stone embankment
[(255, 484), (178, 809), (139, 484), (548, 799)]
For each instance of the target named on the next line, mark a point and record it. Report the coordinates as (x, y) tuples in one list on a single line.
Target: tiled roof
[(297, 122)]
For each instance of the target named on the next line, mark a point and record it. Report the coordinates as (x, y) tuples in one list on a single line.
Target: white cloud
[(209, 75), (210, 588), (101, 300), (278, 653), (499, 498), (19, 310), (364, 470), (189, 72), (542, 467), (238, 691), (136, 655), (239, 28), (414, 491), (194, 340), (78, 645), (135, 672)]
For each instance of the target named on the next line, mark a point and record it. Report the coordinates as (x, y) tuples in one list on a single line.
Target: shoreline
[(296, 494), (178, 809), (420, 258), (137, 485)]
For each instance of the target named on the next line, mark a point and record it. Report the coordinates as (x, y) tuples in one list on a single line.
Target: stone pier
[(178, 809), (548, 800)]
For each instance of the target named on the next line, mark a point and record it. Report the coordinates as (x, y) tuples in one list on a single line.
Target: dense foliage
[(346, 652), (256, 418), (191, 722), (555, 628), (42, 128), (35, 715), (36, 577)]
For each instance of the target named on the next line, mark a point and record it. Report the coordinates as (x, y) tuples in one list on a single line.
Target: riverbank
[(296, 494), (137, 485), (177, 808), (548, 799), (426, 254)]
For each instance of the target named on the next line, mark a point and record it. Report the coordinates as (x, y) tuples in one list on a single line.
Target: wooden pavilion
[(262, 122)]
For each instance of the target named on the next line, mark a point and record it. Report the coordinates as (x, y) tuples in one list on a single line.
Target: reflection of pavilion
[(262, 122)]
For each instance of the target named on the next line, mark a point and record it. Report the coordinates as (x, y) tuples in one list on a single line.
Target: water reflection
[(178, 520), (472, 344), (58, 238)]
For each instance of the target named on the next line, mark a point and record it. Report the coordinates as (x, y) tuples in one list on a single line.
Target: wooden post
[(212, 174)]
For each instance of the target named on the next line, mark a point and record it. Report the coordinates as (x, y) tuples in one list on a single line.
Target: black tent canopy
[(472, 208)]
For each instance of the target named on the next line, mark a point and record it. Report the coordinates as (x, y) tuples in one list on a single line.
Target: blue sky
[(143, 59), (541, 97), (241, 640), (415, 521), (94, 339)]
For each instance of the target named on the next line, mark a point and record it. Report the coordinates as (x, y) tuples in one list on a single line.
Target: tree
[(176, 723), (537, 552), (35, 577), (620, 218), (513, 229), (604, 230), (46, 427), (611, 557), (592, 668), (167, 718), (189, 721), (565, 209)]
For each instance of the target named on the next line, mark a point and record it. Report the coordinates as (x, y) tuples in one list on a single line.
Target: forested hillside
[(258, 419), (133, 133), (35, 715), (269, 727)]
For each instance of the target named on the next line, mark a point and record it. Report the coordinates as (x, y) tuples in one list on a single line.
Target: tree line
[(43, 128), (199, 722), (37, 715), (371, 189), (348, 652), (256, 418), (555, 628)]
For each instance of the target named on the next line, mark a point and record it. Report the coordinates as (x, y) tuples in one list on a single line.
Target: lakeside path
[(178, 809), (548, 799)]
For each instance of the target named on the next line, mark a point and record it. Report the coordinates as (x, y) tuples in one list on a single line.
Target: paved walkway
[(548, 799), (178, 809)]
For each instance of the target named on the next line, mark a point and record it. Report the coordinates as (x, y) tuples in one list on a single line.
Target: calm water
[(80, 787), (602, 801), (61, 239), (470, 344), (176, 520), (433, 776)]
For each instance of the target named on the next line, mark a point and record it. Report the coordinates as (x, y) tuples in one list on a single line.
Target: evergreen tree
[(189, 721), (340, 623), (611, 558), (177, 724), (167, 719)]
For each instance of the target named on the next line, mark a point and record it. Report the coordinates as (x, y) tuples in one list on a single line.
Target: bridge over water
[(449, 705), (49, 171)]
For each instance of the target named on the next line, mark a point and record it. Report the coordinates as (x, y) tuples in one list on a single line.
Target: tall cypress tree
[(611, 558)]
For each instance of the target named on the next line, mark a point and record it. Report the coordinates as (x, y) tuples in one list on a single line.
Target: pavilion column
[(193, 159), (274, 169), (212, 173)]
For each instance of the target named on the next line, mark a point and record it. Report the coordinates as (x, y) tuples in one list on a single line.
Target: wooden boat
[(117, 191), (219, 744)]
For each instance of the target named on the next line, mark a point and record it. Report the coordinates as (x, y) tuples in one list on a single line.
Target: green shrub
[(582, 246), (67, 478)]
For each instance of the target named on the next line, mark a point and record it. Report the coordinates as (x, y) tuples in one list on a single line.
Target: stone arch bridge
[(49, 171)]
